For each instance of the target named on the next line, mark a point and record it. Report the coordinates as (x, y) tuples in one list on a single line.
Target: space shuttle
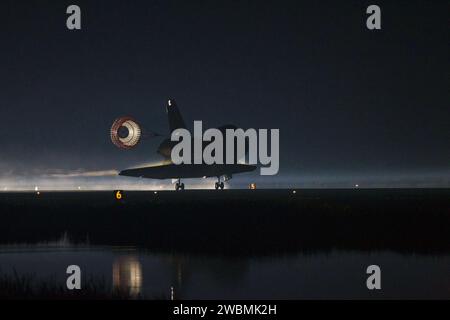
[(167, 169)]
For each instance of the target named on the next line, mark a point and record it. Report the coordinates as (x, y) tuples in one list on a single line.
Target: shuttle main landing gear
[(179, 185), (219, 184)]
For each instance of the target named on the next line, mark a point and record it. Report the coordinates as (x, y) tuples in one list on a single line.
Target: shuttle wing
[(172, 171)]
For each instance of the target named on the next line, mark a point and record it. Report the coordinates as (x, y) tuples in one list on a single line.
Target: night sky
[(352, 105)]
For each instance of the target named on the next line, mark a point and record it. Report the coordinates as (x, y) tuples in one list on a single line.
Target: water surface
[(322, 275)]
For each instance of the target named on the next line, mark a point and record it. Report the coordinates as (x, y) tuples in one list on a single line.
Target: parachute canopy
[(125, 132)]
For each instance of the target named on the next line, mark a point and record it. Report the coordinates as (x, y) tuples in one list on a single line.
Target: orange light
[(252, 186)]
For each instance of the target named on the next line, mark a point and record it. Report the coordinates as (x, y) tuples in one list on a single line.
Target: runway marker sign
[(118, 194)]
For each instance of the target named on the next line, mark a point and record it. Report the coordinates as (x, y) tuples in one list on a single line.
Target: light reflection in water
[(127, 275), (329, 275)]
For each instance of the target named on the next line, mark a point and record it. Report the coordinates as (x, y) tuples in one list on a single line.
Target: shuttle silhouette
[(168, 170)]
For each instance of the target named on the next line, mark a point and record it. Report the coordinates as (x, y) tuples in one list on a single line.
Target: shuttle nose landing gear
[(219, 184), (179, 185)]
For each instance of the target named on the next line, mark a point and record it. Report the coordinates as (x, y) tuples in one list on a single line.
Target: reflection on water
[(320, 275), (127, 275), (176, 264)]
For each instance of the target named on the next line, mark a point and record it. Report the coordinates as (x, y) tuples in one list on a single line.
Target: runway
[(234, 222)]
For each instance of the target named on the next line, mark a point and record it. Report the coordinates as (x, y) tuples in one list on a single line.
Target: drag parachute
[(125, 132)]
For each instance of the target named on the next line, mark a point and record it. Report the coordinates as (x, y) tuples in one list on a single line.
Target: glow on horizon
[(94, 180), (140, 185)]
